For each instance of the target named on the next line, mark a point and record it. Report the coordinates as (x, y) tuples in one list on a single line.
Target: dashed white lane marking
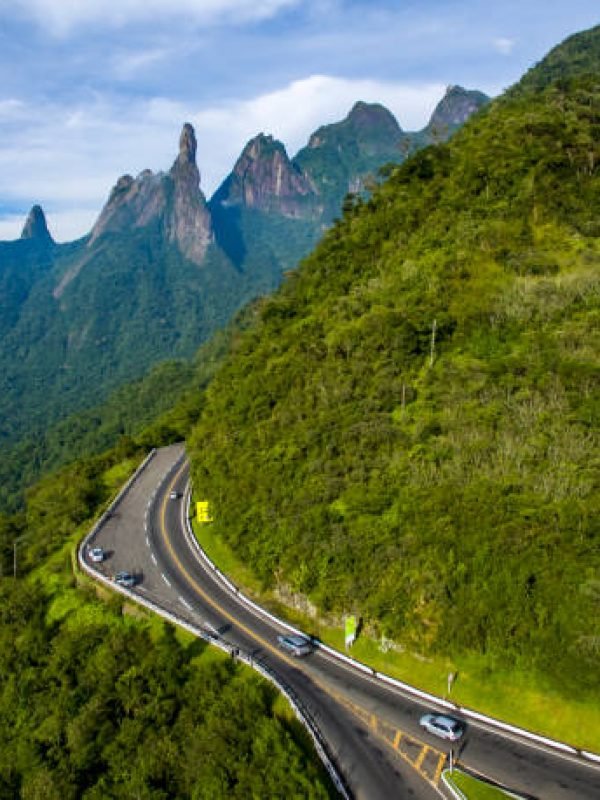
[(185, 602), (165, 579), (153, 557), (147, 540)]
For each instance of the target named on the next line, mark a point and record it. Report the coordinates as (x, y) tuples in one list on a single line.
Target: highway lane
[(372, 730)]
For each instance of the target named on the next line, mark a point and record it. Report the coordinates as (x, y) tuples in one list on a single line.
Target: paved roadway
[(371, 729)]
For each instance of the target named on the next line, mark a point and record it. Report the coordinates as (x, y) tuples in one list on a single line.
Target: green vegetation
[(97, 704), (474, 789), (409, 430), (155, 410)]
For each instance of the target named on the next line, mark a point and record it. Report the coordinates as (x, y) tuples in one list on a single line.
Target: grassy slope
[(450, 501)]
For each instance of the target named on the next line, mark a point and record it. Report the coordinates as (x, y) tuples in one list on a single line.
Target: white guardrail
[(301, 712), (527, 736)]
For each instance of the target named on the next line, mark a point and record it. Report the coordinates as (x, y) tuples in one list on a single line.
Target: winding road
[(370, 728)]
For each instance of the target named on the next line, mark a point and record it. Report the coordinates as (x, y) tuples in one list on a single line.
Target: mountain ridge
[(160, 271)]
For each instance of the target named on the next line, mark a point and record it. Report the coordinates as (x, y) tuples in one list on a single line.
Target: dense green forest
[(98, 704), (409, 430), (151, 411)]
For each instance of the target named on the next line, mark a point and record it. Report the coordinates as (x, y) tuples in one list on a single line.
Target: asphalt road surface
[(371, 729)]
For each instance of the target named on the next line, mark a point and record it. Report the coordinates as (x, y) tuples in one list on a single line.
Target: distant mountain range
[(162, 268)]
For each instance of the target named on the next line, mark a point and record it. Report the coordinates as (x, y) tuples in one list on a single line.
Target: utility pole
[(432, 354)]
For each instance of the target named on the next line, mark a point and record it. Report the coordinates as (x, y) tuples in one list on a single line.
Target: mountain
[(340, 156), (36, 228), (173, 201), (409, 431), (162, 268), (453, 110)]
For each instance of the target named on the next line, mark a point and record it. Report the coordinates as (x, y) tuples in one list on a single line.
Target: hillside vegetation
[(409, 431)]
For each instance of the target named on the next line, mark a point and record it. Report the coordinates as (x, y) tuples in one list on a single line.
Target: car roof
[(446, 720)]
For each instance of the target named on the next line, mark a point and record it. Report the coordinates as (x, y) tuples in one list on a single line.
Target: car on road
[(125, 579), (175, 495), (296, 645), (443, 725), (96, 554)]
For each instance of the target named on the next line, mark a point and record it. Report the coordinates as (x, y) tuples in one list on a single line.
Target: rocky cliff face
[(172, 200), (35, 227), (454, 109), (188, 222), (265, 179)]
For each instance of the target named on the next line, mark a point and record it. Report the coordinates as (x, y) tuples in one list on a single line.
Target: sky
[(93, 89)]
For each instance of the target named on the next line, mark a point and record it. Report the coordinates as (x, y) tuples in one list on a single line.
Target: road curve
[(371, 729)]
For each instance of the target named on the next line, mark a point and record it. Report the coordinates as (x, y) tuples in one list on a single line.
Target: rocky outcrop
[(264, 178), (35, 227), (454, 109), (188, 221), (171, 200)]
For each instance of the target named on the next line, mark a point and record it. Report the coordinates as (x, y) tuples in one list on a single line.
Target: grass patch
[(474, 789), (517, 697)]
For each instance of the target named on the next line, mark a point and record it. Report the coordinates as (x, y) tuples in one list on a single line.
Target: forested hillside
[(409, 431)]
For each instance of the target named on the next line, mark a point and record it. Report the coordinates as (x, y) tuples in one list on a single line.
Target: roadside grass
[(514, 696), (473, 789)]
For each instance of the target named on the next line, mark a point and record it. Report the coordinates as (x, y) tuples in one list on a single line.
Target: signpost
[(202, 512), (350, 628)]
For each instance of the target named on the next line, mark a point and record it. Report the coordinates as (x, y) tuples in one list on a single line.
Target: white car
[(96, 554), (175, 495), (443, 725)]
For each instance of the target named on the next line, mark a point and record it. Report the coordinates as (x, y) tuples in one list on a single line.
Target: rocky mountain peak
[(187, 145), (35, 226), (265, 178), (373, 115), (173, 201), (455, 108)]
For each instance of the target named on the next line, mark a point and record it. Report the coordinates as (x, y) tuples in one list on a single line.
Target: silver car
[(443, 725), (295, 645), (96, 554)]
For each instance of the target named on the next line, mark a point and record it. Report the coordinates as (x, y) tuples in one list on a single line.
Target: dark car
[(443, 725), (295, 644), (125, 579)]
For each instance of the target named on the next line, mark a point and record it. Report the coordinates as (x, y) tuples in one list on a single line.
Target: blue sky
[(91, 89)]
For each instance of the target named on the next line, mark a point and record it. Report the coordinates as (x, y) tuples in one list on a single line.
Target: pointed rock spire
[(171, 200), (187, 145), (35, 226)]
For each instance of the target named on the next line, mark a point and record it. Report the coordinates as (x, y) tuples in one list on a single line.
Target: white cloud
[(127, 65), (68, 159), (11, 226), (61, 16), (504, 46)]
